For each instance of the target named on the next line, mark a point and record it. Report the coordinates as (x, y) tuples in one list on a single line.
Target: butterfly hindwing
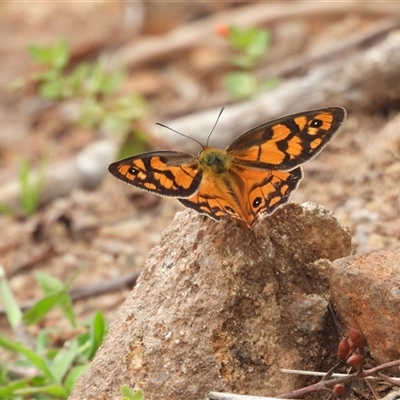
[(166, 173), (287, 142), (218, 196), (272, 192), (262, 193)]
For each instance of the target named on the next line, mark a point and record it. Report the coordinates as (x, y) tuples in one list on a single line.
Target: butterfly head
[(215, 160)]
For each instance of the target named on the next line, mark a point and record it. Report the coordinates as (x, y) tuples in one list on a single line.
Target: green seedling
[(128, 394), (92, 86), (94, 89), (45, 371), (249, 46), (31, 185)]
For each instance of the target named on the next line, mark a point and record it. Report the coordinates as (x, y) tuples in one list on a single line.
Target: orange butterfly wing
[(285, 143), (247, 194), (167, 173)]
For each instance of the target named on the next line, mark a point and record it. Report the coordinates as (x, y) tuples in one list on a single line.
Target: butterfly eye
[(257, 202), (316, 123)]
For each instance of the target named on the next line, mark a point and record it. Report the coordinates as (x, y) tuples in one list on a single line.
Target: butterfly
[(248, 180)]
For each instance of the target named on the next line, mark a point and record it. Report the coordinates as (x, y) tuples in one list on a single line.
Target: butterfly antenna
[(216, 122), (188, 137)]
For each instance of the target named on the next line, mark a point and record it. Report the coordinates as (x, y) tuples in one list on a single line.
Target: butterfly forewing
[(287, 142), (167, 173)]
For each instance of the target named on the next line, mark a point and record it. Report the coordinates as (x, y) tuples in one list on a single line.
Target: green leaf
[(96, 79), (250, 43), (241, 85), (57, 292), (67, 307), (125, 390), (63, 360), (10, 388), (49, 284), (41, 54), (252, 40), (112, 81), (138, 395), (34, 358), (258, 43), (41, 308), (128, 394), (42, 342), (11, 307), (52, 390), (30, 188), (54, 56), (60, 54), (73, 375), (52, 90), (75, 82), (28, 195), (97, 331)]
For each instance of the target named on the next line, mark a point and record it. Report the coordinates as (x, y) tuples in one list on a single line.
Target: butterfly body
[(215, 160), (252, 177)]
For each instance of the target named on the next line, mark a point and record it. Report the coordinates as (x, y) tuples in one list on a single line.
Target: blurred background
[(83, 84)]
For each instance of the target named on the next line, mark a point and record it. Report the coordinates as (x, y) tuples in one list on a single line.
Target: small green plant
[(249, 45), (94, 90), (128, 394), (31, 186), (91, 85), (40, 370)]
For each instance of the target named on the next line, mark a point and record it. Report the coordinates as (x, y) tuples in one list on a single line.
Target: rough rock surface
[(365, 291), (221, 308)]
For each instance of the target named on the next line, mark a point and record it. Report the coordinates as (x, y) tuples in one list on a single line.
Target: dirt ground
[(107, 232)]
